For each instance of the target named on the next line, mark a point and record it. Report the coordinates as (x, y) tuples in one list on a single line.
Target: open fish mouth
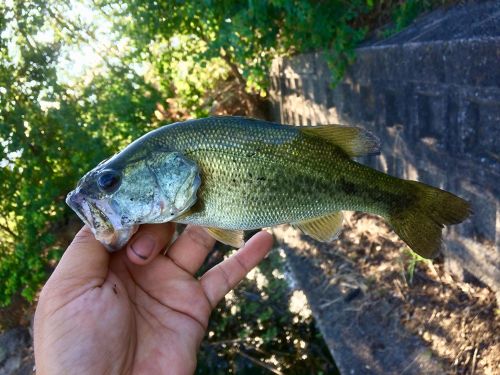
[(81, 207), (112, 235)]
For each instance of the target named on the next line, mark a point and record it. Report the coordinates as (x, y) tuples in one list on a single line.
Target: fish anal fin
[(352, 140), (324, 228), (227, 236)]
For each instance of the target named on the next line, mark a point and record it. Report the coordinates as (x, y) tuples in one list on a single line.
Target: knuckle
[(240, 264), (225, 277), (83, 237)]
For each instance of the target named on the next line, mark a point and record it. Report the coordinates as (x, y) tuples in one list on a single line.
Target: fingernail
[(143, 246)]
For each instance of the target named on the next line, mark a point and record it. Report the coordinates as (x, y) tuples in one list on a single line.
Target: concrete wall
[(432, 95)]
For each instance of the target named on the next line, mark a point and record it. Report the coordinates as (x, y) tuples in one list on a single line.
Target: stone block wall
[(432, 96)]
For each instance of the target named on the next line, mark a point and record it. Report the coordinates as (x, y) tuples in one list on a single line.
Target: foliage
[(50, 136), (255, 331), (406, 11), (245, 35), (411, 263), (176, 68)]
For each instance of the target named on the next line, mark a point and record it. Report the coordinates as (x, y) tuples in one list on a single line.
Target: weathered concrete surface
[(432, 95), (362, 330), (15, 355)]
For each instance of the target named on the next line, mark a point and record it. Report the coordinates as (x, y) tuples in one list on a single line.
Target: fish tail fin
[(420, 224)]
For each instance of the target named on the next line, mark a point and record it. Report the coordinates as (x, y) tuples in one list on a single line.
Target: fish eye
[(109, 181)]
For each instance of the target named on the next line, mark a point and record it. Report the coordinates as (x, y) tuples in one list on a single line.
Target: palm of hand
[(136, 318), (167, 314)]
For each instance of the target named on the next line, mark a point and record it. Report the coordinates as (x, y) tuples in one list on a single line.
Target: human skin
[(135, 311)]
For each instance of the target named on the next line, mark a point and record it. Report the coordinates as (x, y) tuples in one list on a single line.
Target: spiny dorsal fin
[(352, 140), (324, 228), (226, 236)]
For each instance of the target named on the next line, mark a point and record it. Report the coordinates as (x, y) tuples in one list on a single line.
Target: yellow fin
[(324, 228), (420, 224), (227, 236), (352, 140)]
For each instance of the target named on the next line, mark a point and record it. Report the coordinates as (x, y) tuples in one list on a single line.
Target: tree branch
[(227, 58), (8, 230), (260, 363), (82, 35), (241, 81)]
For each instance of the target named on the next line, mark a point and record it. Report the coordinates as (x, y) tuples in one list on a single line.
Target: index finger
[(85, 260), (218, 281)]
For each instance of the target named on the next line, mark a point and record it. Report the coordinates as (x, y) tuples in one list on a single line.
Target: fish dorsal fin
[(352, 140), (324, 228), (227, 236)]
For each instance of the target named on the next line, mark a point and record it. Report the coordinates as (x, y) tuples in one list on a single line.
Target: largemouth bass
[(231, 174)]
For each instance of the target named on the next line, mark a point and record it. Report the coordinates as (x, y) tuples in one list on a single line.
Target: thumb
[(85, 261)]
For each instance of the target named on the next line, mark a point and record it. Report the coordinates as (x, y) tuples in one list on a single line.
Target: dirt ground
[(458, 321)]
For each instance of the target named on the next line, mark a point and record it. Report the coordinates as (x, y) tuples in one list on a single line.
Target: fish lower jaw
[(114, 240)]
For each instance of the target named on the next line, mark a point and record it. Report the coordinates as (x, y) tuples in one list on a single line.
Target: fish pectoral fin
[(324, 228), (352, 140), (227, 236)]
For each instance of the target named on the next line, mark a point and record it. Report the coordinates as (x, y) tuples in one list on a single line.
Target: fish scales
[(256, 175)]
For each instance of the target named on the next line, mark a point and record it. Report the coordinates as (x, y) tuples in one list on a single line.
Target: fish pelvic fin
[(352, 140), (229, 237), (420, 224), (324, 228)]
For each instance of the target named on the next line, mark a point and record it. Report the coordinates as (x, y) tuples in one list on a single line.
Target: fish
[(230, 174)]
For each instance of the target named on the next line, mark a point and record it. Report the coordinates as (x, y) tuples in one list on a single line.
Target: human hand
[(130, 313)]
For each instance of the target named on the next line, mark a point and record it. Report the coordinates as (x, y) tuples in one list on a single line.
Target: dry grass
[(459, 321)]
